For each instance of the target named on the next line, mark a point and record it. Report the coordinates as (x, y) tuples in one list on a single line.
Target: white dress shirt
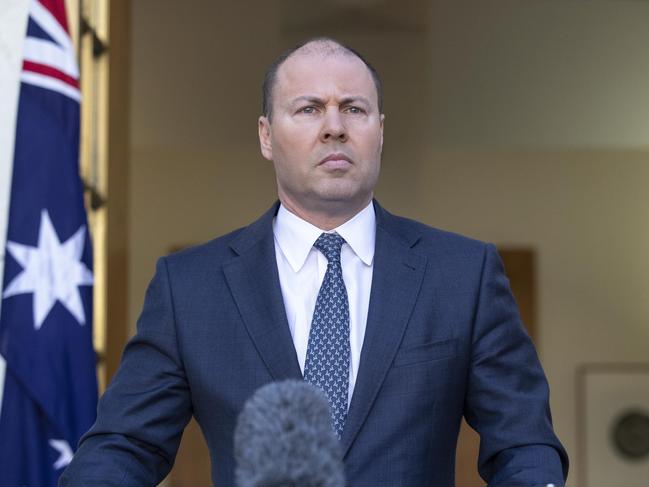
[(302, 268)]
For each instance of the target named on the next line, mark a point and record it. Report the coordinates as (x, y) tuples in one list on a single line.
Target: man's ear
[(264, 138)]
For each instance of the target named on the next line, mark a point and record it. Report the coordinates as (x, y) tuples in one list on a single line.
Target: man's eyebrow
[(345, 101), (309, 98), (354, 99)]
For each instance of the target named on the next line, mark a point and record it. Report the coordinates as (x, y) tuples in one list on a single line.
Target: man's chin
[(331, 199), (342, 201)]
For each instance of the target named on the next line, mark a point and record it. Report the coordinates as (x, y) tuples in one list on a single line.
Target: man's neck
[(325, 219)]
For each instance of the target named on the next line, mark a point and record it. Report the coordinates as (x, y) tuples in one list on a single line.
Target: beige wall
[(522, 123), (534, 73)]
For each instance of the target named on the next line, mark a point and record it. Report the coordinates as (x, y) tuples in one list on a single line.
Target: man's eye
[(354, 110), (308, 110)]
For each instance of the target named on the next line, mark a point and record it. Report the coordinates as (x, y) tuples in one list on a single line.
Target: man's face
[(326, 133)]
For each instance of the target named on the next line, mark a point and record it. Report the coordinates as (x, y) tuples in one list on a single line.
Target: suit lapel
[(254, 282), (397, 277)]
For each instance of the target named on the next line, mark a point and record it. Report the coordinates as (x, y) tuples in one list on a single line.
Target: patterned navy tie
[(327, 354)]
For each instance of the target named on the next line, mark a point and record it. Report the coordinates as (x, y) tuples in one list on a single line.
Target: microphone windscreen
[(284, 438)]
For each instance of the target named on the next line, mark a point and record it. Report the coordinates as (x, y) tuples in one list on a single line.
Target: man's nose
[(333, 127)]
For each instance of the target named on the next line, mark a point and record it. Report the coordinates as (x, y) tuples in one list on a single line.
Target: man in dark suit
[(416, 326)]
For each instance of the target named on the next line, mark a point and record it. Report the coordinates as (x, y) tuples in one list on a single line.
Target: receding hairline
[(321, 46), (323, 50)]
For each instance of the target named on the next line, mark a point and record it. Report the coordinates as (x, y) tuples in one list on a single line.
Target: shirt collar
[(296, 236)]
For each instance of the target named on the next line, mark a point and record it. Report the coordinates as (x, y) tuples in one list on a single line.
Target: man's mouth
[(337, 160)]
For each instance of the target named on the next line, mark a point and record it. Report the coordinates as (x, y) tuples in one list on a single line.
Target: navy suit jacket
[(443, 339)]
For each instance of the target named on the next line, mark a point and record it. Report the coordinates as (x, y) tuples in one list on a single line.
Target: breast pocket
[(425, 352)]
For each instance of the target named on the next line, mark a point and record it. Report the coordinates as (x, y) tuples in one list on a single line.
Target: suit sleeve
[(507, 399), (143, 412)]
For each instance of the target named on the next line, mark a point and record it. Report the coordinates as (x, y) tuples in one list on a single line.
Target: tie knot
[(330, 244)]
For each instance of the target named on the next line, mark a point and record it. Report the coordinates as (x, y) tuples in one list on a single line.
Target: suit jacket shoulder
[(411, 231)]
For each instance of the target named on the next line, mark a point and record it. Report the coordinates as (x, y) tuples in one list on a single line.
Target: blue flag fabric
[(50, 390)]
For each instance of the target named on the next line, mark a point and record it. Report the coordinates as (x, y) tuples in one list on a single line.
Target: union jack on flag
[(50, 388), (49, 60)]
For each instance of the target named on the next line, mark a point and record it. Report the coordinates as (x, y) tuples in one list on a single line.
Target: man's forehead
[(319, 52), (313, 65)]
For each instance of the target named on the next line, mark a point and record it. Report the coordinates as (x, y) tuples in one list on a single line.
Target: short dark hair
[(270, 78)]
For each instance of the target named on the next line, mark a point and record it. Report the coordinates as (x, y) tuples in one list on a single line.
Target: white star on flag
[(52, 271), (65, 453)]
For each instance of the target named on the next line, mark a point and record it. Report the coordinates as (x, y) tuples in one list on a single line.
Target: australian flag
[(50, 388)]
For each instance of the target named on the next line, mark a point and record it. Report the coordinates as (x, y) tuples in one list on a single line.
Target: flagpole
[(13, 22)]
